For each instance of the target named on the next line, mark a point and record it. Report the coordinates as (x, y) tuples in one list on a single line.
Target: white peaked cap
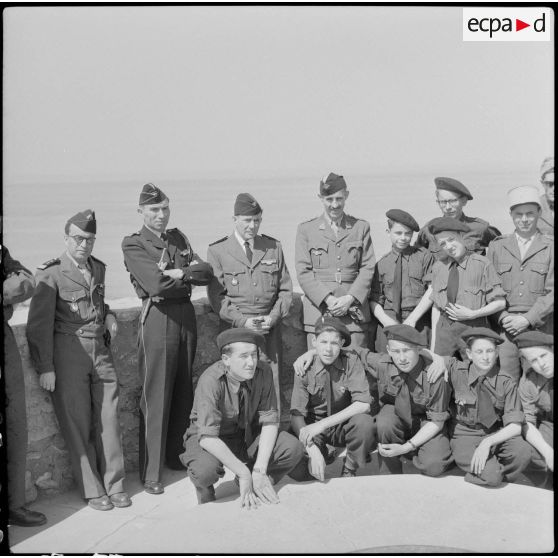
[(524, 194)]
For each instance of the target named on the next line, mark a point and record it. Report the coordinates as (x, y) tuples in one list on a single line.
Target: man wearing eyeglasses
[(68, 330), (452, 196), (546, 218)]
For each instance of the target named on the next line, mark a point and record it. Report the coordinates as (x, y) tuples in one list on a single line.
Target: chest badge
[(234, 281), (74, 306)]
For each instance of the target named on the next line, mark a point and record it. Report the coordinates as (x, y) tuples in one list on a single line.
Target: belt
[(159, 301), (339, 277)]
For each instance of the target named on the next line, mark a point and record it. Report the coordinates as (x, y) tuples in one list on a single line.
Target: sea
[(35, 213)]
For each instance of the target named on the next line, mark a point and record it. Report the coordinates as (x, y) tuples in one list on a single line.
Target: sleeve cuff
[(362, 398), (515, 416), (207, 431), (436, 416), (269, 417), (299, 412)]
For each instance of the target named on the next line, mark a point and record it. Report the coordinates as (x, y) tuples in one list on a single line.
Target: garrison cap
[(441, 224), (246, 204), (150, 195), (483, 332), (239, 335), (533, 339), (452, 185), (400, 216), (332, 183), (405, 333), (523, 194), (84, 220), (547, 166), (325, 322)]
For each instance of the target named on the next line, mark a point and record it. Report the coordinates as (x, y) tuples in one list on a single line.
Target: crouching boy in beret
[(235, 424)]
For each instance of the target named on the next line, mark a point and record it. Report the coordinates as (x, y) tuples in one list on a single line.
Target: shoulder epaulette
[(310, 220), (50, 263), (98, 260), (548, 238), (501, 237), (220, 240), (269, 237)]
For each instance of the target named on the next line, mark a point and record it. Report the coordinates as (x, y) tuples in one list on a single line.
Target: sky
[(97, 93)]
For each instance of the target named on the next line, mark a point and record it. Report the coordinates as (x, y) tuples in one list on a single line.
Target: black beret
[(533, 339), (405, 333), (441, 224), (84, 220), (484, 332), (452, 185), (400, 216), (246, 204), (150, 195), (332, 183), (324, 322), (239, 335), (198, 274)]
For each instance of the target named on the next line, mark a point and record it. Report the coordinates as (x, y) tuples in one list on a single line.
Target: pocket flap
[(504, 267), (539, 268), (318, 248), (72, 295)]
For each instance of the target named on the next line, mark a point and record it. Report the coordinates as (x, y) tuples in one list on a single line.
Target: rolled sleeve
[(494, 290), (206, 405), (268, 417), (512, 405), (357, 383), (299, 397), (437, 409), (528, 396)]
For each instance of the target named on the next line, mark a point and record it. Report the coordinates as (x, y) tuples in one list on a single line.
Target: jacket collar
[(510, 244), (70, 270)]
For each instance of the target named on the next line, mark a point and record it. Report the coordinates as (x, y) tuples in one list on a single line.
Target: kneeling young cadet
[(486, 432), (235, 399), (330, 404)]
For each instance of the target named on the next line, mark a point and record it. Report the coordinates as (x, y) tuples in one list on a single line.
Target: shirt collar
[(463, 263), (415, 374), (474, 374), (241, 241), (332, 222), (521, 240), (156, 233), (86, 264), (318, 366)]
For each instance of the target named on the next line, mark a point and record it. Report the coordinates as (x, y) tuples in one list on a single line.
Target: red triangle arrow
[(519, 25)]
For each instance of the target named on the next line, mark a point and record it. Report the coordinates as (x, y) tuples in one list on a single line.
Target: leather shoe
[(120, 500), (102, 503), (26, 518), (205, 494), (153, 487)]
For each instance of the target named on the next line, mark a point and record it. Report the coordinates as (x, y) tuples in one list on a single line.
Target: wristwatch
[(258, 470)]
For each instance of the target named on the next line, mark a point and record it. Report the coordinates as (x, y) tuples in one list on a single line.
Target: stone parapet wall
[(48, 464)]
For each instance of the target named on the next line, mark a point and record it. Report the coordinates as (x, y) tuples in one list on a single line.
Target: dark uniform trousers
[(505, 462), (167, 346), (431, 458), (448, 335), (422, 325), (205, 469), (16, 420)]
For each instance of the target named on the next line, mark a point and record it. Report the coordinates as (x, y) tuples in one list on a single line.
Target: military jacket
[(476, 240), (415, 277), (64, 303), (18, 283), (537, 397), (546, 219), (146, 256), (241, 289), (528, 282), (340, 264), (502, 388), (479, 284)]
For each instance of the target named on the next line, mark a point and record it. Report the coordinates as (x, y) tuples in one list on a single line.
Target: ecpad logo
[(507, 24)]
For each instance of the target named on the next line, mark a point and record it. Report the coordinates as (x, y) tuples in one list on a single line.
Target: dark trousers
[(167, 346), (423, 325), (431, 458), (448, 342), (16, 420), (86, 403), (546, 428), (204, 469), (505, 462)]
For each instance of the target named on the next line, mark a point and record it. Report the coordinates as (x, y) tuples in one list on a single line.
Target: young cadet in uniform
[(235, 423), (536, 391), (163, 267), (18, 285), (69, 328), (331, 402), (334, 260), (452, 196), (486, 432), (465, 290), (400, 280), (524, 260), (546, 219), (251, 286)]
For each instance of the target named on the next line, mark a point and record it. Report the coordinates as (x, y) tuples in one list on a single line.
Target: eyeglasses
[(453, 203), (79, 240), (548, 183)]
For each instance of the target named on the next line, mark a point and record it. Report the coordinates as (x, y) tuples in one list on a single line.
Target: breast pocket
[(319, 256), (465, 402), (415, 280), (473, 297), (270, 276), (537, 278), (233, 280), (75, 302), (353, 254), (504, 271)]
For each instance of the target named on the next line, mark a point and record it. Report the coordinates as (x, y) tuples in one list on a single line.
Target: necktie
[(486, 414), (334, 227), (328, 392), (403, 404), (244, 415), (397, 287), (453, 283), (86, 274), (248, 251)]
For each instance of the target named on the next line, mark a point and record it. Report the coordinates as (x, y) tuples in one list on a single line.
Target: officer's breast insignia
[(317, 251), (322, 226), (269, 262), (49, 263)]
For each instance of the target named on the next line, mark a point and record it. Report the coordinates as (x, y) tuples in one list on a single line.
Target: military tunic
[(167, 339), (241, 289), (18, 285), (529, 286), (338, 264), (65, 330), (546, 219)]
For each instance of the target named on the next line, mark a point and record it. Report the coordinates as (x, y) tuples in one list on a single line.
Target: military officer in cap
[(235, 424), (486, 437), (452, 196), (400, 280), (18, 285), (251, 286), (546, 219), (524, 261), (465, 290), (335, 264), (163, 268), (68, 330)]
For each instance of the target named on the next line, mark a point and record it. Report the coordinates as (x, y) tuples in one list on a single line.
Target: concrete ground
[(370, 513)]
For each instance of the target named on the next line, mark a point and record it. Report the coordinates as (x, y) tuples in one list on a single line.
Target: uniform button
[(257, 299), (338, 257), (520, 294), (338, 269), (521, 282), (521, 268), (80, 330), (254, 283), (338, 245)]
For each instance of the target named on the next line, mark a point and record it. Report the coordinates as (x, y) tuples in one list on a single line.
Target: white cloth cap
[(524, 194)]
